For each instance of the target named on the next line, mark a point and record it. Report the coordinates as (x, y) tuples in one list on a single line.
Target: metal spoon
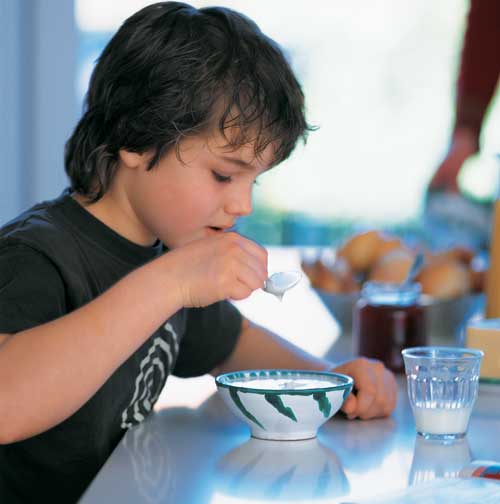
[(415, 269), (278, 283)]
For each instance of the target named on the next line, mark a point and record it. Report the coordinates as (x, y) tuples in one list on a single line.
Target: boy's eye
[(221, 178)]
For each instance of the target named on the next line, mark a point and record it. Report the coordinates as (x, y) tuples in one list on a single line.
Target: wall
[(38, 106)]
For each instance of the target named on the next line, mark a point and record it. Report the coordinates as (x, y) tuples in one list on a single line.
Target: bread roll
[(460, 254), (392, 267), (342, 268), (351, 285), (478, 269), (336, 278), (445, 279), (386, 245), (360, 250), (310, 269), (477, 280), (328, 280)]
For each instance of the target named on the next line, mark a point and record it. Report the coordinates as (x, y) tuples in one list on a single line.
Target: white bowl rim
[(347, 381)]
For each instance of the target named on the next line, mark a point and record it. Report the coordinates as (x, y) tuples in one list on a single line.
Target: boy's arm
[(258, 348), (49, 371)]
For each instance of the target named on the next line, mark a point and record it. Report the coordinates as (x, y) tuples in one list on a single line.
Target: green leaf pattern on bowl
[(275, 400), (236, 398), (324, 404)]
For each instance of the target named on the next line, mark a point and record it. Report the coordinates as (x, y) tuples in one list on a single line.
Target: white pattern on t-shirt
[(146, 390)]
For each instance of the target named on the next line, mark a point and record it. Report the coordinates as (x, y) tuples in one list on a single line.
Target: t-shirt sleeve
[(210, 337), (31, 289)]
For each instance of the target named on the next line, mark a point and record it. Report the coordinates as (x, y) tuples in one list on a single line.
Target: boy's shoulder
[(65, 232), (40, 227)]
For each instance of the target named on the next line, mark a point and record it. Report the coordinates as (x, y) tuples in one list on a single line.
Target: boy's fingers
[(250, 246), (249, 276), (378, 392), (349, 406), (391, 386), (366, 405), (251, 265), (376, 389)]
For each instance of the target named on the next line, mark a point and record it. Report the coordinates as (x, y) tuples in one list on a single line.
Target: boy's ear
[(132, 159)]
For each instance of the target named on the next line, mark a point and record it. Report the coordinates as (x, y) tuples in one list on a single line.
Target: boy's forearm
[(50, 371), (259, 348)]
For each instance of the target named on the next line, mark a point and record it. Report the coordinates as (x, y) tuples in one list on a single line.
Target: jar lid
[(397, 294)]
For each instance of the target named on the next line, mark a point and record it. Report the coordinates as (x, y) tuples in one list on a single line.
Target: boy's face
[(201, 194)]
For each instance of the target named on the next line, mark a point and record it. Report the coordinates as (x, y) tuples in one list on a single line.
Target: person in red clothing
[(478, 76)]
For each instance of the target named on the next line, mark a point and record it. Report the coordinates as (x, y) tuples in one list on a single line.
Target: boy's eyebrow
[(239, 162)]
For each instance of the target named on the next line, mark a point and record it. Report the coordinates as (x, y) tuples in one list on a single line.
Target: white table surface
[(192, 450)]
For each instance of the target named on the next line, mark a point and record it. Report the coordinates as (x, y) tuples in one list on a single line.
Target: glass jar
[(386, 319)]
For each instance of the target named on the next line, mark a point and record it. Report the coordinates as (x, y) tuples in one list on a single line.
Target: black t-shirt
[(55, 258)]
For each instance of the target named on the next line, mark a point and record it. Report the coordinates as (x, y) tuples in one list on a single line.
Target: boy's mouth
[(215, 229), (224, 229)]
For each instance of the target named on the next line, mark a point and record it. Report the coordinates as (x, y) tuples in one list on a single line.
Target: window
[(379, 82)]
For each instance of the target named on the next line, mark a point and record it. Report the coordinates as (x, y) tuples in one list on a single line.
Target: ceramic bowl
[(282, 404)]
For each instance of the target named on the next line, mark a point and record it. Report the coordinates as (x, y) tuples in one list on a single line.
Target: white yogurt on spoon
[(280, 282)]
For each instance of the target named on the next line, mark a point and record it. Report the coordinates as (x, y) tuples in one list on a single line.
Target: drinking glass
[(442, 387)]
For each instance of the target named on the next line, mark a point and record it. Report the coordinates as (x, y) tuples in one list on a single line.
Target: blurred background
[(379, 79)]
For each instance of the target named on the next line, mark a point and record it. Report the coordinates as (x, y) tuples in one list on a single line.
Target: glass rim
[(442, 353), (389, 287)]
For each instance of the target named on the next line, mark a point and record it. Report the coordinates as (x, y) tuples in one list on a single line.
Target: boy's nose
[(240, 204)]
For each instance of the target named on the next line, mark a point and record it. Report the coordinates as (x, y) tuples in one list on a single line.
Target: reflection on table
[(192, 450), (202, 454), (260, 469), (438, 459)]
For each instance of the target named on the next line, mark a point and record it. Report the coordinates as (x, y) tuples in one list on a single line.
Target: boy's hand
[(376, 389), (226, 266)]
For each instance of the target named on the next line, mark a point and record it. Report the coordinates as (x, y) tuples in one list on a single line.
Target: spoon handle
[(415, 268)]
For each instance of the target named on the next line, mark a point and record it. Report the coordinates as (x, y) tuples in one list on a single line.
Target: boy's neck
[(118, 216)]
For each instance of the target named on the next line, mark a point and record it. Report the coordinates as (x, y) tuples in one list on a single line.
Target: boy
[(124, 278)]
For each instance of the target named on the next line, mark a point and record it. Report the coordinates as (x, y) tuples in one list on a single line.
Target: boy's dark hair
[(166, 74)]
